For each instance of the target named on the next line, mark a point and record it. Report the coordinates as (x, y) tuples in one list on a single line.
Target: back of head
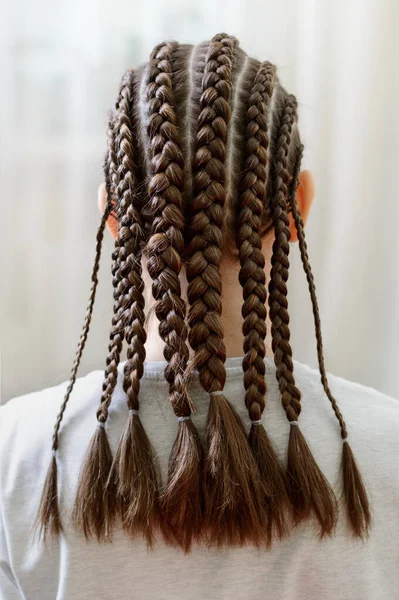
[(203, 159)]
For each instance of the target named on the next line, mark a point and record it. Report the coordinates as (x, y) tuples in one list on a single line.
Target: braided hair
[(251, 204), (94, 510), (308, 489), (181, 499), (203, 148), (234, 504), (355, 494), (134, 477), (48, 522)]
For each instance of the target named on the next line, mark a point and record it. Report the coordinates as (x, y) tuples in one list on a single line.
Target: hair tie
[(133, 411), (259, 422), (218, 393), (54, 452), (100, 424), (183, 418), (294, 423)]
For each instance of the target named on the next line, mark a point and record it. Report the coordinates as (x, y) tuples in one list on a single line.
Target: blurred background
[(60, 65)]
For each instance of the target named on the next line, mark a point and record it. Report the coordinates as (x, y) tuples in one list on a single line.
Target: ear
[(304, 197), (112, 223)]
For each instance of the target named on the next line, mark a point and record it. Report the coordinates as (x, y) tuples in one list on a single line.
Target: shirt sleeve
[(8, 586)]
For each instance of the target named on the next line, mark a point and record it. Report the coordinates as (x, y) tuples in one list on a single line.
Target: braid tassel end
[(355, 495), (48, 522), (181, 501), (134, 479), (235, 512), (94, 510), (308, 490), (273, 481)]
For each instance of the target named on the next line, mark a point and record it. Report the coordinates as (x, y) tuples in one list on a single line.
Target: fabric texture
[(301, 567)]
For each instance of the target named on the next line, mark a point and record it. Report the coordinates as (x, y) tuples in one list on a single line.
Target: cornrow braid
[(308, 490), (181, 498), (134, 475), (48, 521), (94, 510), (234, 503), (252, 199), (355, 493)]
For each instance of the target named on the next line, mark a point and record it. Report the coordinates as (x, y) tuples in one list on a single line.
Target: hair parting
[(355, 493), (181, 500)]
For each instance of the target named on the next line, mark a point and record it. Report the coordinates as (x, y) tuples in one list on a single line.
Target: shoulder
[(364, 408), (348, 389), (27, 421)]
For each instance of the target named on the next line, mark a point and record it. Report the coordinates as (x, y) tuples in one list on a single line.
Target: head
[(203, 186), (229, 270)]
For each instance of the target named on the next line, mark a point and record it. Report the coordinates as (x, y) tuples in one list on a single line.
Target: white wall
[(60, 64)]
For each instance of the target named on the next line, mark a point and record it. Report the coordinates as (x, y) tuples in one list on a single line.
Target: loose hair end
[(308, 490), (48, 521), (234, 496), (94, 510), (182, 498), (355, 495), (134, 479)]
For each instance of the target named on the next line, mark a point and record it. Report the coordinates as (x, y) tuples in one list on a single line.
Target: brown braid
[(252, 200), (279, 273), (308, 489), (204, 289), (355, 493), (166, 245), (87, 321), (94, 511), (234, 500), (48, 520), (123, 181), (252, 272), (134, 476), (181, 500), (312, 290), (108, 168)]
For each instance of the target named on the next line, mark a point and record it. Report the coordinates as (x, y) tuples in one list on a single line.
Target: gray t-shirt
[(299, 567)]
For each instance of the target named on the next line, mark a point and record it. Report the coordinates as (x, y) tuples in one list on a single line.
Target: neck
[(232, 318)]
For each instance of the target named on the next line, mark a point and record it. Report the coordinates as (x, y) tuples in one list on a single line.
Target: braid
[(181, 500), (357, 504), (252, 273), (48, 520), (166, 244), (308, 489), (234, 499), (312, 290), (87, 322), (279, 272), (252, 199), (203, 275), (94, 511), (134, 474)]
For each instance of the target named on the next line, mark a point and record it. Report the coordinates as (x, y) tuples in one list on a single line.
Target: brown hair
[(203, 150)]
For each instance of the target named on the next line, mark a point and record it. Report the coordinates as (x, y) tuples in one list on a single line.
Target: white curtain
[(60, 64)]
